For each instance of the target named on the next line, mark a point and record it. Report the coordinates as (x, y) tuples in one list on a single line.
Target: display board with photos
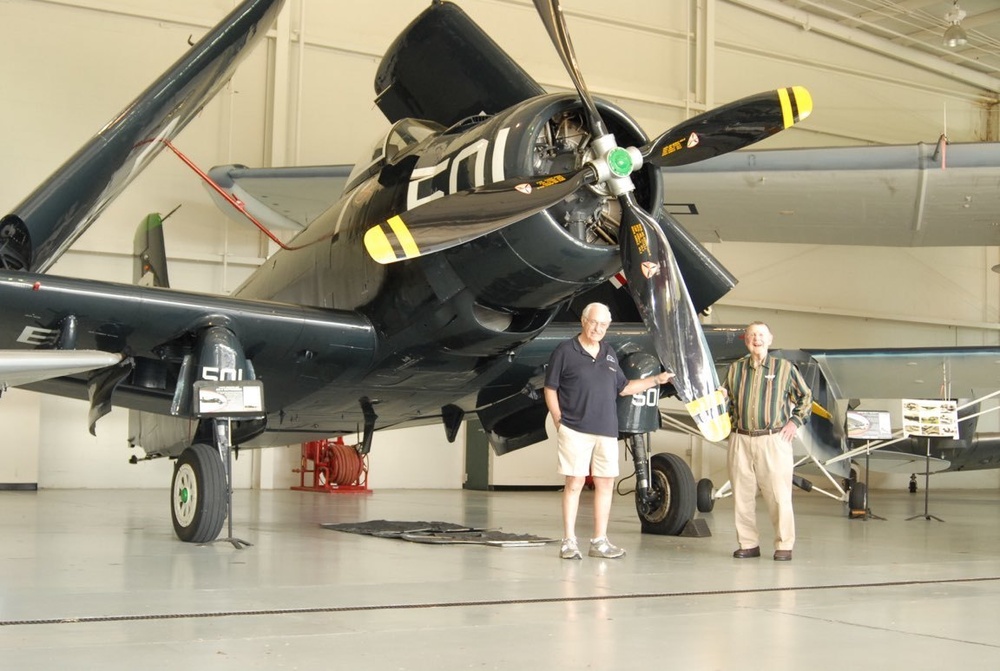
[(930, 418)]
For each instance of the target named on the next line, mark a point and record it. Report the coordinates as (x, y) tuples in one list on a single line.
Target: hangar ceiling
[(916, 27)]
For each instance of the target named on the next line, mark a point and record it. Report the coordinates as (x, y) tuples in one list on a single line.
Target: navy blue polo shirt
[(587, 387)]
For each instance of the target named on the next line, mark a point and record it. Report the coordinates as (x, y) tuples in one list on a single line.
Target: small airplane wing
[(906, 196), (280, 198), (918, 372), (19, 367)]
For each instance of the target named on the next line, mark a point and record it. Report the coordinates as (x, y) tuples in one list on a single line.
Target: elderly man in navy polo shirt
[(582, 383)]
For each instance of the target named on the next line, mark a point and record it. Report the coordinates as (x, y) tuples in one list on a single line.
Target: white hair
[(596, 306)]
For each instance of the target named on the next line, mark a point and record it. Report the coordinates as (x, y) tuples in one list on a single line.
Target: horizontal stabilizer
[(279, 198), (887, 461), (18, 367)]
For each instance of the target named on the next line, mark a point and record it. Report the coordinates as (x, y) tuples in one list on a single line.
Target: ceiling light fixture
[(955, 35)]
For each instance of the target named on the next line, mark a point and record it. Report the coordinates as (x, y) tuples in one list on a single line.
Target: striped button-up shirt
[(768, 395)]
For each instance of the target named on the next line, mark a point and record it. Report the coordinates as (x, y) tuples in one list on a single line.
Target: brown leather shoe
[(747, 553), (782, 555)]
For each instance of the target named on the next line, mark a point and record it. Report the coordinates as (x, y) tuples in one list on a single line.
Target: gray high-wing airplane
[(430, 287), (840, 378), (933, 195)]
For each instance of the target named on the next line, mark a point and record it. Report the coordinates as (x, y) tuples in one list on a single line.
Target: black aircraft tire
[(673, 485), (856, 497), (705, 501), (198, 494)]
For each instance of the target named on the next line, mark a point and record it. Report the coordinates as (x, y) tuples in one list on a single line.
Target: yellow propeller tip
[(716, 429), (803, 100), (378, 246), (709, 413)]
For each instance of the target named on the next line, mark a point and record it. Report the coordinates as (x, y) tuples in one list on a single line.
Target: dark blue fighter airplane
[(429, 290)]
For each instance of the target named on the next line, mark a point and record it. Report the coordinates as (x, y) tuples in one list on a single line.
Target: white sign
[(935, 419), (869, 424), (217, 399)]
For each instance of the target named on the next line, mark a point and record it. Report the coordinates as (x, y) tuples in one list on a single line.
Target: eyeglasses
[(598, 324)]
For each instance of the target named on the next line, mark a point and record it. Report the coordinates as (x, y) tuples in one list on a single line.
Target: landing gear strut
[(223, 428), (202, 487), (664, 487), (645, 497)]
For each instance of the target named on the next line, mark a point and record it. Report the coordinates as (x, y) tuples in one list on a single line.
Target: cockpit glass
[(404, 133)]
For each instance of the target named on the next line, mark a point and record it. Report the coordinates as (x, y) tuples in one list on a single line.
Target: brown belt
[(758, 432)]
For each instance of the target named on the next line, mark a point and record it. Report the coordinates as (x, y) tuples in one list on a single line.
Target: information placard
[(869, 424), (930, 418)]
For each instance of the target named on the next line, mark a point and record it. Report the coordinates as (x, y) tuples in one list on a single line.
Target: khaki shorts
[(582, 454)]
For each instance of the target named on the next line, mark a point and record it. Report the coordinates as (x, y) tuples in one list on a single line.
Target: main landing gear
[(198, 494), (665, 489), (201, 495)]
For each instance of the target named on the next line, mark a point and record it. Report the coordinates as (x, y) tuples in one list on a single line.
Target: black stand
[(222, 438), (869, 515), (927, 488)]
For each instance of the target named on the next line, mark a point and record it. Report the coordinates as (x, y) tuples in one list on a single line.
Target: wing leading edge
[(958, 372)]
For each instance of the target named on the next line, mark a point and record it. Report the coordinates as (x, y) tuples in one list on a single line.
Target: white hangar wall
[(68, 66)]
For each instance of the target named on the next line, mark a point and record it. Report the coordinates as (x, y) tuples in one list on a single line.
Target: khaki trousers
[(764, 463)]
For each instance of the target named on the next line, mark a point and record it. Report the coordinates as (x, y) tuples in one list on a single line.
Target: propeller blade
[(451, 220), (555, 24), (706, 278), (730, 127), (665, 305)]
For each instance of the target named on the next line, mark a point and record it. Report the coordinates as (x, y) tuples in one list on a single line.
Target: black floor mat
[(439, 533)]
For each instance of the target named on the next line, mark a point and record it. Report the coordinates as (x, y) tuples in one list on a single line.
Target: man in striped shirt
[(768, 402)]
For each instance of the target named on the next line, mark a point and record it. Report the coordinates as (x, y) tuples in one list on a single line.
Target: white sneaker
[(602, 547), (569, 549)]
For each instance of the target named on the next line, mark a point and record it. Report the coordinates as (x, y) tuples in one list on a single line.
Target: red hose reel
[(332, 466)]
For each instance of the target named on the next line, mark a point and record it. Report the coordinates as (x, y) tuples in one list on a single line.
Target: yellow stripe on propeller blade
[(381, 248), (803, 104), (709, 413)]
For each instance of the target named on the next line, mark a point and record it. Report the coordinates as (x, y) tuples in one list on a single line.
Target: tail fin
[(149, 268), (967, 424)]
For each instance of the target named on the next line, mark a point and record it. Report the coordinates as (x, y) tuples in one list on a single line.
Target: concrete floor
[(96, 580)]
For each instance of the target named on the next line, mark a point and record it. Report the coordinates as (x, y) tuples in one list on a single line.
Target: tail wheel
[(673, 501), (198, 494), (705, 501)]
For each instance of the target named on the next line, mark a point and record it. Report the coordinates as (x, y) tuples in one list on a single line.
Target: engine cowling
[(540, 261)]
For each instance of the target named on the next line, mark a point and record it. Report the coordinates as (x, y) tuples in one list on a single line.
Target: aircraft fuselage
[(446, 321)]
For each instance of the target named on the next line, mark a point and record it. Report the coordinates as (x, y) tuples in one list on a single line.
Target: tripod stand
[(868, 511), (927, 488)]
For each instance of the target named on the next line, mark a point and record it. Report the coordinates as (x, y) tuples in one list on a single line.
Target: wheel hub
[(185, 495)]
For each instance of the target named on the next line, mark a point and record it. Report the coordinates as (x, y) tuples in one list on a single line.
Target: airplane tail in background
[(968, 420), (149, 268)]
